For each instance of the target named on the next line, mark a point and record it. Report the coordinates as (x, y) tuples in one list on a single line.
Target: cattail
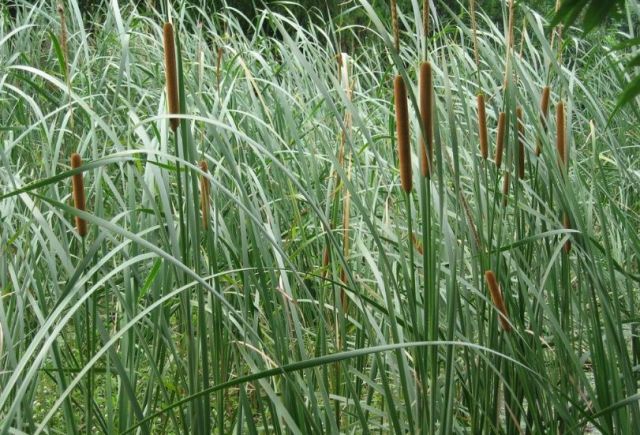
[(505, 189), (63, 39), (394, 23), (561, 135), (426, 103), (556, 35), (204, 193), (498, 300), (402, 127), (78, 194), (416, 244), (509, 37), (326, 256), (520, 143), (563, 156), (544, 113), (482, 126), (171, 74), (474, 31), (425, 17), (567, 225), (502, 123)]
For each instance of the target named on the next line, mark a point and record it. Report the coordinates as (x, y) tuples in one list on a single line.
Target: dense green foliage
[(315, 296)]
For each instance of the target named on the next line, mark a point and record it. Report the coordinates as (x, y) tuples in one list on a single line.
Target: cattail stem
[(204, 193), (511, 23), (171, 73), (498, 300), (509, 38), (482, 127), (502, 123), (426, 105), (402, 128), (78, 194), (521, 149), (544, 113), (346, 241)]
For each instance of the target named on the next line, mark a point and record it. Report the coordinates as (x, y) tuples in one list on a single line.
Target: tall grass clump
[(266, 262)]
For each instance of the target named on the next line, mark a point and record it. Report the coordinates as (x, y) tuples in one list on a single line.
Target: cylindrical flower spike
[(402, 129), (498, 300), (425, 17), (394, 23), (426, 104), (567, 225), (544, 113), (78, 194), (563, 156), (171, 74), (561, 135), (502, 123), (482, 126)]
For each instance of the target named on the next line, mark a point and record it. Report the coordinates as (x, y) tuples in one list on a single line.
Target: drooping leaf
[(594, 12), (629, 93)]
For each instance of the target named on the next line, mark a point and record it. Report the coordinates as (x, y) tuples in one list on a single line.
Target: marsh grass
[(158, 321)]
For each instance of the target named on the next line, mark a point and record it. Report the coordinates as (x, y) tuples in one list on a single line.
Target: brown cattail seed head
[(561, 135), (567, 225), (498, 300), (520, 143), (171, 73), (78, 194), (502, 123), (402, 128), (417, 244), (544, 113), (426, 104), (204, 193), (482, 126)]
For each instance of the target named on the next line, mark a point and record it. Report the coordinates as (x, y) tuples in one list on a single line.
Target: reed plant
[(207, 290)]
